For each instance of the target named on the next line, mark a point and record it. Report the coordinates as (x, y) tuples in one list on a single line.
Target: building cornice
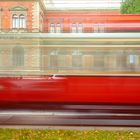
[(18, 8)]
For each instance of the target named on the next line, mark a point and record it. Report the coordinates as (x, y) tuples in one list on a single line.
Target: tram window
[(131, 59)]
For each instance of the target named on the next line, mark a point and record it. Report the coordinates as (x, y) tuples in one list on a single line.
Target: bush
[(130, 7)]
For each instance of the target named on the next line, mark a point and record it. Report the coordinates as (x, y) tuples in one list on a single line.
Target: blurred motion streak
[(68, 89)]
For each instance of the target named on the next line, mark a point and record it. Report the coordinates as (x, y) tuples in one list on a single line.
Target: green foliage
[(130, 7), (25, 134)]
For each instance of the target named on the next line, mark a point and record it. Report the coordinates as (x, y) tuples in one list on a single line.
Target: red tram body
[(71, 89), (29, 42)]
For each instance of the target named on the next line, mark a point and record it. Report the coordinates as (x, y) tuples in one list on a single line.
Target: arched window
[(76, 59), (102, 28), (80, 28), (52, 28), (73, 28), (15, 21), (18, 18), (58, 28), (95, 28), (54, 59), (22, 21), (18, 56)]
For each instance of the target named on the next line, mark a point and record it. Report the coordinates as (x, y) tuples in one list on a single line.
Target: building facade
[(21, 15), (36, 39)]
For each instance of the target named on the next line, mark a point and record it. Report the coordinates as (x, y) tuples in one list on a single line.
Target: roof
[(82, 4)]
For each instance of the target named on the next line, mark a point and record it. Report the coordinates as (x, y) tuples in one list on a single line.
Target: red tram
[(71, 89), (114, 75)]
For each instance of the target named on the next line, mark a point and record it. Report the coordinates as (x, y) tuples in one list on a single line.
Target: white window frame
[(101, 27), (95, 28), (22, 21), (15, 21), (80, 28), (52, 28), (58, 28), (74, 28), (18, 22)]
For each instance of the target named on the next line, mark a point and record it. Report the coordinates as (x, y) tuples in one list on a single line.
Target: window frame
[(58, 28), (18, 10), (22, 21), (18, 56), (51, 28)]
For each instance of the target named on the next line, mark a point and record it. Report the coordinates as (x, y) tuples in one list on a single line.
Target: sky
[(82, 4)]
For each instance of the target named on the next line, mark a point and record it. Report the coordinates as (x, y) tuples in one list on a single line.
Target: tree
[(130, 7)]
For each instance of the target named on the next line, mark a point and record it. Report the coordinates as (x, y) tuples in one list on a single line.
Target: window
[(18, 21), (52, 28), (80, 28), (62, 63), (131, 59), (18, 17), (21, 21), (58, 28), (76, 59), (98, 28), (18, 56), (55, 28), (77, 28), (121, 60), (54, 60), (95, 28), (101, 28), (15, 21), (99, 61), (73, 28)]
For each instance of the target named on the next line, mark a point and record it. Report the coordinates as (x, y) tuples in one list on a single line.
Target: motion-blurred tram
[(95, 75), (71, 89)]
